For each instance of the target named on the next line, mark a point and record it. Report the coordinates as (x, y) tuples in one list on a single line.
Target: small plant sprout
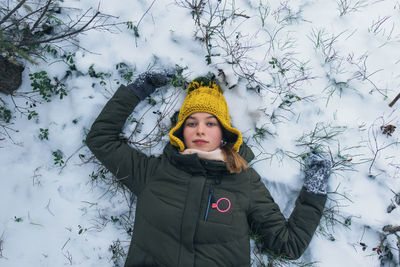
[(133, 28), (100, 173), (332, 216), (320, 136), (278, 65), (58, 157), (125, 72), (114, 219), (81, 230), (261, 134), (18, 219), (5, 114), (99, 75), (347, 6), (44, 134), (118, 252), (285, 15), (69, 59), (179, 80), (32, 114)]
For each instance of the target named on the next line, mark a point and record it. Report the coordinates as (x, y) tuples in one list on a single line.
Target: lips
[(200, 142)]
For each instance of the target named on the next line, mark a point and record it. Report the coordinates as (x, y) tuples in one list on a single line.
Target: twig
[(61, 36), (65, 163), (1, 245), (394, 100), (68, 256), (17, 21), (140, 20), (46, 7), (48, 207), (376, 25), (376, 149), (66, 242), (12, 11), (90, 203), (36, 176), (137, 25), (6, 128)]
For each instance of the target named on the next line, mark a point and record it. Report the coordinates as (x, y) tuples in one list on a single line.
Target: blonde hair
[(234, 162)]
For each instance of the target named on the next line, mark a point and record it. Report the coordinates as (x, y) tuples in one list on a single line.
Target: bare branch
[(374, 145), (46, 7), (65, 35), (394, 100), (16, 22), (137, 25), (12, 11)]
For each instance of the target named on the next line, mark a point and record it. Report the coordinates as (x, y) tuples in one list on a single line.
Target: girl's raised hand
[(317, 170), (148, 81)]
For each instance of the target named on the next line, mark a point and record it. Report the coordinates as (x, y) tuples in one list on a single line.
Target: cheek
[(216, 135), (187, 132)]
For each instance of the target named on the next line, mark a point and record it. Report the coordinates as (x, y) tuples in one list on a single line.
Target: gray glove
[(148, 81), (317, 170)]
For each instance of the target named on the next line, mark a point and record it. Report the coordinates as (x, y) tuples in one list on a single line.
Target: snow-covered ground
[(329, 70)]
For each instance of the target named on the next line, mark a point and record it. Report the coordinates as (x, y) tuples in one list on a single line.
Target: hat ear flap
[(176, 136)]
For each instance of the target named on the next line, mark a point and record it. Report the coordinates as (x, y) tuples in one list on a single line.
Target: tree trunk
[(10, 76)]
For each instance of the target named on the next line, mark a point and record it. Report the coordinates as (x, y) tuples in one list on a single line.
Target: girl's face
[(202, 131)]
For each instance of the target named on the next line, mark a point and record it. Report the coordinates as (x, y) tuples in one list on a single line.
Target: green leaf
[(5, 114), (151, 101)]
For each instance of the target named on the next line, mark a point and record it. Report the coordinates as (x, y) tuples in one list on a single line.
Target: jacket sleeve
[(279, 236), (131, 167)]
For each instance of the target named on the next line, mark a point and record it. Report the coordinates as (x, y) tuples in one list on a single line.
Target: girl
[(199, 202)]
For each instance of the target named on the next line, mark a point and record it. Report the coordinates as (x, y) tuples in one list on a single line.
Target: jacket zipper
[(210, 201)]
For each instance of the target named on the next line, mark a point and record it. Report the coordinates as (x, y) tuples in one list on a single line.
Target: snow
[(55, 215)]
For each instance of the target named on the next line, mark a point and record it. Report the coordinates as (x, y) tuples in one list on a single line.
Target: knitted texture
[(204, 96), (317, 170), (148, 81)]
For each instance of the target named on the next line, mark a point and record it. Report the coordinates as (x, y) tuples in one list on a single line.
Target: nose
[(200, 129)]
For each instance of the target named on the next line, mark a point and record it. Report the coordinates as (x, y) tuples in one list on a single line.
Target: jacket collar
[(194, 165)]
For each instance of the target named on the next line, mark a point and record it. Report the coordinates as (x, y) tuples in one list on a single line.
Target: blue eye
[(211, 124), (191, 124)]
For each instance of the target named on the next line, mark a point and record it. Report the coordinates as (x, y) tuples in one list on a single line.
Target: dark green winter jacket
[(175, 223)]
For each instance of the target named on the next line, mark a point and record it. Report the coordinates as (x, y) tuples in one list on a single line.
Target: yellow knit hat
[(205, 96)]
